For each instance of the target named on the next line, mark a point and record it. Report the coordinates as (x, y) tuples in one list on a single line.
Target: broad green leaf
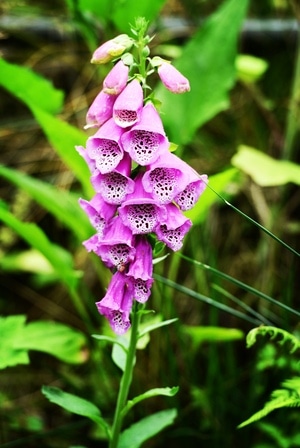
[(56, 339), (165, 391), (250, 68), (154, 325), (208, 61), (124, 12), (30, 87), (218, 182), (59, 258), (64, 138), (263, 169), (199, 335), (11, 330), (139, 432), (115, 340), (30, 260), (73, 403), (53, 338), (119, 351), (62, 204)]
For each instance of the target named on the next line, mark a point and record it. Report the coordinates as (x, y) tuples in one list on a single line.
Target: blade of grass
[(240, 284), (205, 299)]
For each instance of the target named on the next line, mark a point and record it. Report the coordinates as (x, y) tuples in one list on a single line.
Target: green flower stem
[(126, 378)]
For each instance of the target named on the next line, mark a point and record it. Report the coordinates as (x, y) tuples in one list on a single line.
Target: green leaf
[(73, 403), (59, 258), (62, 204), (30, 87), (119, 351), (117, 341), (287, 397), (218, 182), (124, 12), (263, 169), (139, 432), (54, 338), (208, 61), (30, 260), (155, 325), (64, 138), (11, 328), (165, 391), (199, 335), (250, 68)]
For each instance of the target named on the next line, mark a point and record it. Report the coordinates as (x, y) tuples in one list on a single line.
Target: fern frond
[(273, 332), (287, 397)]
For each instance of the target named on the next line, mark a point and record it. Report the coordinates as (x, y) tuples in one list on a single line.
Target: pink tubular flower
[(140, 212), (117, 303), (116, 185), (100, 110), (165, 177), (116, 247), (111, 49), (104, 148), (128, 105), (98, 212), (172, 79), (116, 79), (174, 229), (146, 140), (140, 269), (194, 187)]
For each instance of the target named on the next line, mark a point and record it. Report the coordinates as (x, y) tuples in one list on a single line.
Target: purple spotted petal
[(98, 211), (128, 106), (174, 229), (100, 110), (192, 191), (140, 212), (116, 247), (117, 303), (146, 140), (166, 177), (116, 79), (140, 270), (104, 148), (115, 186)]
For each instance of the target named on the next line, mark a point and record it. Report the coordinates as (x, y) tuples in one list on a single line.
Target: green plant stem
[(126, 378)]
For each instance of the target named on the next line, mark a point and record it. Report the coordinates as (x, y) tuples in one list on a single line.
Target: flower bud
[(116, 79), (172, 79), (111, 49)]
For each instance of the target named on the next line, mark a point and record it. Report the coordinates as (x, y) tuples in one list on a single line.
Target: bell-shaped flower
[(104, 148), (116, 247), (193, 189), (111, 49), (172, 79), (166, 177), (128, 105), (140, 212), (174, 229), (99, 212), (100, 110), (140, 269), (146, 140), (116, 79), (116, 185), (117, 303)]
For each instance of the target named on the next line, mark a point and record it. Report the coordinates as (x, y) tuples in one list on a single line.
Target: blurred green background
[(245, 103)]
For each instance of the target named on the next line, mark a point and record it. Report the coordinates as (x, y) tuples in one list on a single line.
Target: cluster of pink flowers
[(141, 187)]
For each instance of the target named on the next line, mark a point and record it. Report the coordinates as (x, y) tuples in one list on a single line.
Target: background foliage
[(240, 126)]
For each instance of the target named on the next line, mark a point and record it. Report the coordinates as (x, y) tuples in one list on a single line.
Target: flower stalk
[(126, 378)]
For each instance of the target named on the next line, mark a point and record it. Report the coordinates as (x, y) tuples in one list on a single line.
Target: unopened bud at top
[(112, 49), (171, 78)]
